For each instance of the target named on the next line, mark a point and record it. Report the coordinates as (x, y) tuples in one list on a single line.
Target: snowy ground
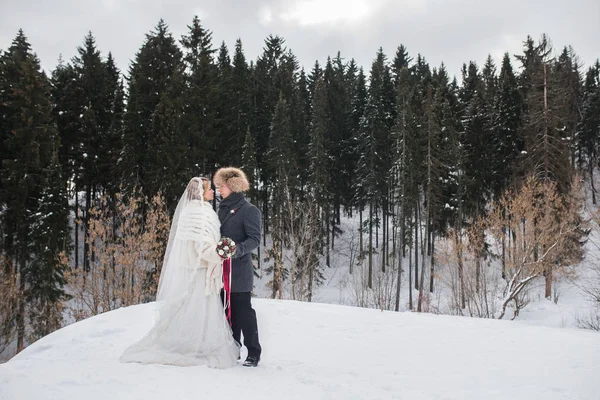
[(320, 351)]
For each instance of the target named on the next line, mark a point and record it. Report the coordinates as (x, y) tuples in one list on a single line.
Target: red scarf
[(227, 286)]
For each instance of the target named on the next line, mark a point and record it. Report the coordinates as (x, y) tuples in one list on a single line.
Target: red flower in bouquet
[(226, 247)]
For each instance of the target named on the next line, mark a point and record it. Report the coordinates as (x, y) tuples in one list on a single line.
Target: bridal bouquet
[(225, 247)]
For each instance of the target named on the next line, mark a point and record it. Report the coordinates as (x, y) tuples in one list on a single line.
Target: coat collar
[(231, 206), (232, 200)]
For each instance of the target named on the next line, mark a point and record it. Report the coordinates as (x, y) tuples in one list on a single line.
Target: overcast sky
[(449, 31)]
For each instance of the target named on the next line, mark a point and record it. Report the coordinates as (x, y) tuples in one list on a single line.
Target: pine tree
[(228, 151), (375, 148), (67, 99), (240, 98), (319, 159), (265, 94), (507, 139), (417, 144), (249, 165), (283, 165), (401, 62), (28, 168), (356, 92), (568, 80), (50, 235), (152, 132), (475, 140), (340, 134), (111, 144), (320, 166), (548, 154), (313, 77), (548, 151), (69, 102), (400, 174), (96, 83), (289, 87), (588, 134), (200, 113), (441, 162), (303, 127)]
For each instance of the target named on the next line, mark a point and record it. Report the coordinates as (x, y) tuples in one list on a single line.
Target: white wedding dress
[(191, 328)]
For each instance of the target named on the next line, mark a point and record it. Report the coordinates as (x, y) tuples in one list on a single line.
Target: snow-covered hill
[(319, 351)]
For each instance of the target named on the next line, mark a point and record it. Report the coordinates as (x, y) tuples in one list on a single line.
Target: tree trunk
[(311, 274), (389, 207), (421, 283), (86, 230), (410, 269), (477, 259), (377, 225), (332, 234), (548, 274), (21, 312), (546, 143), (327, 255), (416, 244), (361, 254), (399, 255), (461, 270), (384, 237), (592, 182), (477, 271), (76, 249), (370, 281), (432, 263), (504, 247), (265, 217)]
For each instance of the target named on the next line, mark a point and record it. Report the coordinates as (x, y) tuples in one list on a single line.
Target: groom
[(240, 221)]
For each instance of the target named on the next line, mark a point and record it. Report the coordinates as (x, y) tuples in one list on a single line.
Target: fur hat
[(235, 178)]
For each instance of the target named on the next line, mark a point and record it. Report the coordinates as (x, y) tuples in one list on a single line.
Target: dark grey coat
[(243, 225)]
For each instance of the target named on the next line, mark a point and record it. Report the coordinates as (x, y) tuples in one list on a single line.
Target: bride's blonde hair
[(193, 188)]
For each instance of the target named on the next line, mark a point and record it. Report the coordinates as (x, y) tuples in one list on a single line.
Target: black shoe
[(251, 361)]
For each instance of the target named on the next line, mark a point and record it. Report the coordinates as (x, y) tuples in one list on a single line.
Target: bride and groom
[(191, 327)]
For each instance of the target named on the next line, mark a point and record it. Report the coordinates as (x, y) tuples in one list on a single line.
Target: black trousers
[(243, 321)]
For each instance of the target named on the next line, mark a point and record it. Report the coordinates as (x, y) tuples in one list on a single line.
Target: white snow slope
[(319, 351)]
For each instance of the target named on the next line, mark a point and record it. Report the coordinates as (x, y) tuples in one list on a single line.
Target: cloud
[(452, 31), (317, 12)]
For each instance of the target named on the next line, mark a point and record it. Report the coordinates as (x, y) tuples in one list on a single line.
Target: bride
[(191, 328)]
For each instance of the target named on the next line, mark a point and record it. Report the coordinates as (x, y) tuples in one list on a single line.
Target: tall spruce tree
[(568, 79), (417, 144), (28, 169), (507, 139), (400, 174), (68, 100), (548, 154), (320, 166), (401, 62), (546, 140), (228, 151), (265, 94), (374, 163), (50, 234), (302, 132), (241, 101), (200, 112), (475, 140), (97, 86), (151, 157), (284, 170), (588, 134), (111, 144)]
